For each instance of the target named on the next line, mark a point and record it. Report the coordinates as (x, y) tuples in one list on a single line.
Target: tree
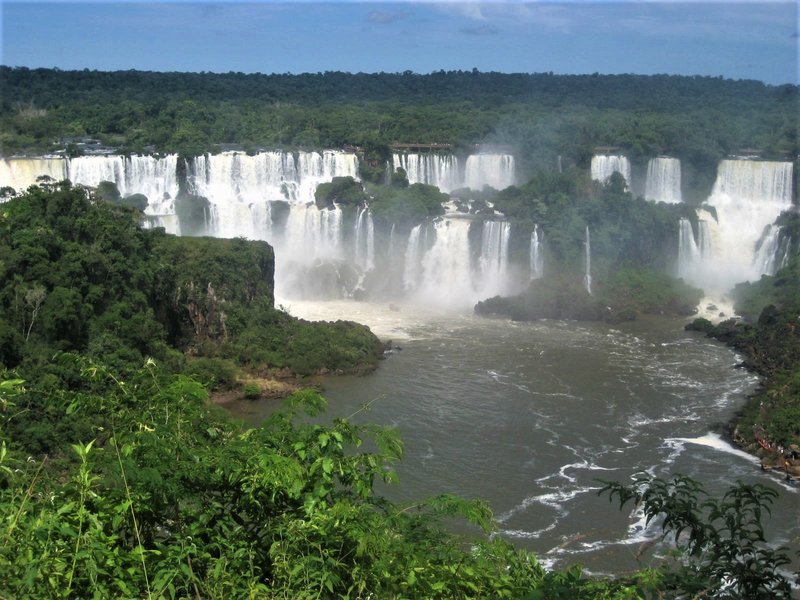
[(723, 553), (344, 191), (108, 191), (34, 297)]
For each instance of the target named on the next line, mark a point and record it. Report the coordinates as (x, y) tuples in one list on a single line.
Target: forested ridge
[(541, 116)]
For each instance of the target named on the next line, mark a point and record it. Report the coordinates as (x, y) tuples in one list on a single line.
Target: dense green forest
[(539, 116), (80, 275), (119, 479)]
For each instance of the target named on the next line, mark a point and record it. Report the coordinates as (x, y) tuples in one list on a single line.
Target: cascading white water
[(493, 276), (364, 243), (445, 172), (663, 183), (240, 187), (311, 235), (441, 170), (494, 170), (747, 196), (392, 250), (772, 251), (587, 278), (22, 173), (688, 250), (413, 256), (604, 165), (155, 177), (536, 255), (314, 168), (442, 273), (446, 274)]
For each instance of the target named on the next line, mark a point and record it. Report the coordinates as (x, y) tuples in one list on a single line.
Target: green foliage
[(399, 178), (620, 296), (251, 391), (648, 292), (632, 242), (344, 191), (168, 498), (149, 491), (781, 290), (217, 373), (554, 297), (723, 553), (772, 347), (406, 205), (80, 275), (108, 191), (136, 201), (273, 338)]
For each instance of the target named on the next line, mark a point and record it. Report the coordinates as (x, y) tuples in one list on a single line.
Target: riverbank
[(768, 425)]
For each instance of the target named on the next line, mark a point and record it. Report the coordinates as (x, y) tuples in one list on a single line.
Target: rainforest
[(185, 259)]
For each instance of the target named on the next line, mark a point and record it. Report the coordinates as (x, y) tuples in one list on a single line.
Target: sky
[(738, 40)]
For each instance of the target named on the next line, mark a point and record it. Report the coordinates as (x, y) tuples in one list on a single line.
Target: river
[(530, 415)]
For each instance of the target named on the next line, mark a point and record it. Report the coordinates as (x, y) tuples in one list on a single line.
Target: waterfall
[(536, 257), (370, 242), (688, 250), (364, 233), (695, 252), (446, 273), (755, 181), (748, 196), (445, 172), (663, 183), (412, 259), (392, 242), (242, 188), (772, 251), (21, 173), (441, 170), (603, 166), (269, 196), (155, 177), (314, 168), (312, 235), (493, 276), (494, 170), (587, 278)]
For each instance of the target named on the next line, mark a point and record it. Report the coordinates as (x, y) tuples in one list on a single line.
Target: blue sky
[(738, 40)]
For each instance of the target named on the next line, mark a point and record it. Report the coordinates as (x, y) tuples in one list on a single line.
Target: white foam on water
[(714, 441), (640, 420), (639, 530), (552, 499), (396, 322)]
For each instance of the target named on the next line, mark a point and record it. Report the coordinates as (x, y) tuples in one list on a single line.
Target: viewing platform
[(411, 147)]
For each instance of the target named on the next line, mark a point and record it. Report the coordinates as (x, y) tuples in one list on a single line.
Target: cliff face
[(218, 300), (208, 281)]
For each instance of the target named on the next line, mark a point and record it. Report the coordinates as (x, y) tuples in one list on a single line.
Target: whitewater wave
[(710, 440)]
